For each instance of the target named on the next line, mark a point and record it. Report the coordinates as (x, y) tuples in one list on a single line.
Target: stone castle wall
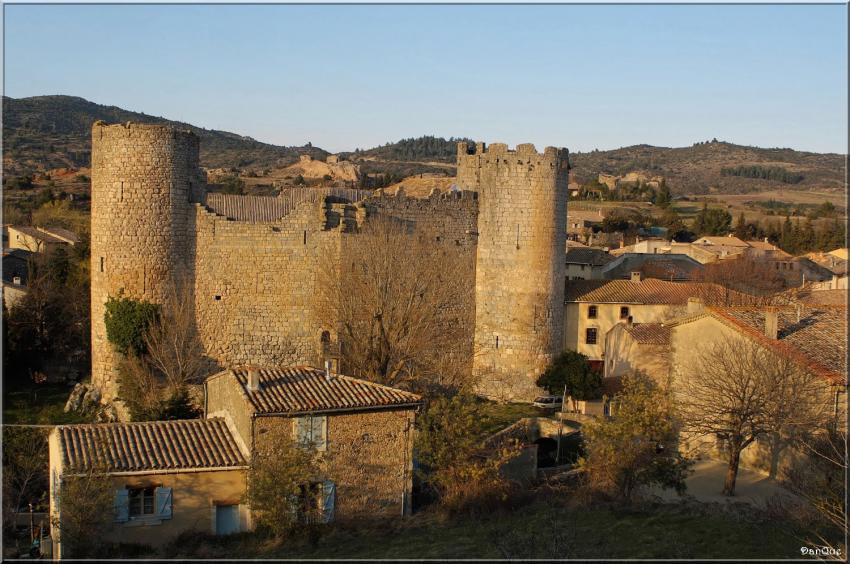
[(520, 266), (255, 282)]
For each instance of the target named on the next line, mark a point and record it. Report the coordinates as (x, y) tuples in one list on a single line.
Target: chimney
[(771, 323), (253, 378), (622, 243), (636, 277), (328, 375), (695, 305)]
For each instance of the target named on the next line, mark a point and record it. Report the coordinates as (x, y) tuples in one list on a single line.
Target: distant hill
[(46, 132), (710, 167), (718, 167), (421, 149)]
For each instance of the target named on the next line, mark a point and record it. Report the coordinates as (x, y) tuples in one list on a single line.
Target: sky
[(343, 77)]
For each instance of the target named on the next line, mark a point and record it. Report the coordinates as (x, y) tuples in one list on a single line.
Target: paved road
[(706, 483)]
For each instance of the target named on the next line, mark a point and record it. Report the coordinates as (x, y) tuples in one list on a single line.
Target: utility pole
[(560, 426)]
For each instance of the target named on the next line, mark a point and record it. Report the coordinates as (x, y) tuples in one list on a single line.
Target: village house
[(644, 347), (40, 239), (15, 275), (672, 267), (173, 476), (814, 338), (586, 263), (594, 307)]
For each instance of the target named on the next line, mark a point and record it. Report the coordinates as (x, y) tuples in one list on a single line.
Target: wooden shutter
[(122, 506), (303, 430), (318, 430), (162, 499), (328, 501)]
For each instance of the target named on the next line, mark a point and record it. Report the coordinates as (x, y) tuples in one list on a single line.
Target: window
[(592, 312), (147, 503), (141, 501), (590, 335), (624, 312), (316, 502), (311, 431)]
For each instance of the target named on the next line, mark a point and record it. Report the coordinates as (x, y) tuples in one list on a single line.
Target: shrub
[(127, 321), (636, 447), (571, 369)]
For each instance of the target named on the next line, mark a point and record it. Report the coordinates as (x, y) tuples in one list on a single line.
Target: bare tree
[(155, 383), (174, 347), (744, 281), (86, 510), (819, 478), (738, 391), (24, 469), (402, 306)]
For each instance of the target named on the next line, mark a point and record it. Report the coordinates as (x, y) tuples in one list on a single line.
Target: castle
[(253, 262)]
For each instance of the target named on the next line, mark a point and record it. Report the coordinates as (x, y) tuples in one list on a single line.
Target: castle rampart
[(254, 264)]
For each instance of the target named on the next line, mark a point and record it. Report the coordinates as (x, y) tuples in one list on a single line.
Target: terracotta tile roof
[(662, 266), (649, 333), (189, 444), (61, 233), (649, 291), (817, 340), (588, 255), (824, 297), (303, 389), (37, 234), (722, 241)]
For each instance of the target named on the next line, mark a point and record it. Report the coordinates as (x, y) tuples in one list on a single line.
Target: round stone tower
[(520, 268), (143, 178)]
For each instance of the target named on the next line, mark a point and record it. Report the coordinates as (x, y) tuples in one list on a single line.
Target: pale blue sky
[(342, 77)]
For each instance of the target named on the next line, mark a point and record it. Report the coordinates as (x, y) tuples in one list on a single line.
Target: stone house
[(40, 239), (669, 266), (174, 476), (15, 275), (638, 346), (362, 430), (594, 307), (168, 477), (814, 338), (586, 263)]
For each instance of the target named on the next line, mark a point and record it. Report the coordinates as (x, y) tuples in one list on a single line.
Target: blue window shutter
[(328, 501), (122, 506), (162, 498)]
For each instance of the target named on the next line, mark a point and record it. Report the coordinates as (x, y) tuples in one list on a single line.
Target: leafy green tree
[(275, 484), (712, 221), (232, 184), (126, 321), (571, 369), (636, 447), (452, 464)]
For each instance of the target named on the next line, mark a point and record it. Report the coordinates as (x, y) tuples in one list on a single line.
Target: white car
[(550, 402)]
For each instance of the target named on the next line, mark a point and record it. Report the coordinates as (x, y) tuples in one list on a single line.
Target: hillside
[(46, 132), (699, 169)]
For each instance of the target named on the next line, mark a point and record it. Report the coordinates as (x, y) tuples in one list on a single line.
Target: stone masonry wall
[(142, 179), (255, 285), (368, 456), (520, 269)]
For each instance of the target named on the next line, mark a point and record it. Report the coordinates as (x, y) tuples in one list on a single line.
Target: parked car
[(548, 402)]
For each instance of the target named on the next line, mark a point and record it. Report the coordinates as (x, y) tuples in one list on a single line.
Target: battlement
[(102, 130), (526, 150)]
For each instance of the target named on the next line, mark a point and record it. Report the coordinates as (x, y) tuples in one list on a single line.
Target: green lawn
[(37, 404), (539, 530), (497, 416)]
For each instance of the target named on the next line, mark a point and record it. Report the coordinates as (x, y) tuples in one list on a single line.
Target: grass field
[(41, 404), (543, 529)]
